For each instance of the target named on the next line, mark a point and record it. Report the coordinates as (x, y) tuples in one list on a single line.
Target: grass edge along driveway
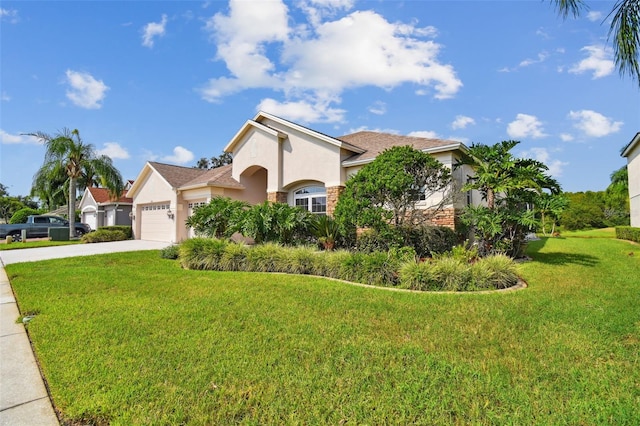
[(131, 338)]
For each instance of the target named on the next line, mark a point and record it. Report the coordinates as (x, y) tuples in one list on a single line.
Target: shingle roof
[(220, 176), (176, 175), (179, 176), (375, 143), (101, 195)]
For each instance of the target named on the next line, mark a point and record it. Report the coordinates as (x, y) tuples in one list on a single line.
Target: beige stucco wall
[(154, 189), (290, 161), (633, 168)]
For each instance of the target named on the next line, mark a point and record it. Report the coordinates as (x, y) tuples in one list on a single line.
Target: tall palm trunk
[(72, 207)]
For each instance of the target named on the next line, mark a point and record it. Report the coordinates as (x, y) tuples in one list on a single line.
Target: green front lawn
[(133, 339), (36, 244)]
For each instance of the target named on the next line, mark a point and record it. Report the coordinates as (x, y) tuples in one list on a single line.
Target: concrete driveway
[(43, 253)]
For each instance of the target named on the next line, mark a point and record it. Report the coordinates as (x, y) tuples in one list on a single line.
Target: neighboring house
[(98, 209), (632, 153), (279, 161)]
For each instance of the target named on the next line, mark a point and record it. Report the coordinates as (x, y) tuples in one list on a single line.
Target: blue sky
[(174, 81)]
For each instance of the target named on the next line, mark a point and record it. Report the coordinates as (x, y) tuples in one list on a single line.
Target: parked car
[(37, 226)]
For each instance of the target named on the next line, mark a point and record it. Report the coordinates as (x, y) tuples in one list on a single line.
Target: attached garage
[(156, 222), (90, 217)]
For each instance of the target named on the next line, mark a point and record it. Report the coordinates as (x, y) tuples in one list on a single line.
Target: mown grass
[(133, 339), (35, 244), (591, 233)]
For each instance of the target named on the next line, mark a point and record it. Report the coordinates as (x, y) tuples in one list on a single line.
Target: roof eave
[(451, 147), (635, 141), (299, 128), (210, 184)]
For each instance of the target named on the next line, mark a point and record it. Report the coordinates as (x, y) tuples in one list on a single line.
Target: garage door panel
[(156, 225)]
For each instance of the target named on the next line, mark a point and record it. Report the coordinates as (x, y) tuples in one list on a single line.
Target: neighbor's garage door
[(156, 225)]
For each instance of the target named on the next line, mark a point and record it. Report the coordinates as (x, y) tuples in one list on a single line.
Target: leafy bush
[(628, 233), (220, 218), (326, 230), (202, 253), (103, 236), (234, 257), (124, 228), (430, 240), (276, 222), (21, 215), (498, 271), (170, 252)]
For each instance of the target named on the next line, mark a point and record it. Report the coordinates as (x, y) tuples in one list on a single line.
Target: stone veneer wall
[(333, 193), (277, 197), (446, 218)]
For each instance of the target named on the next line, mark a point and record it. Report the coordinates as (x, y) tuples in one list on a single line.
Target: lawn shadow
[(558, 258)]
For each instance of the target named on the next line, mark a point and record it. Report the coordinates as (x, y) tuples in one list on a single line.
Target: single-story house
[(277, 160), (98, 209), (632, 154)]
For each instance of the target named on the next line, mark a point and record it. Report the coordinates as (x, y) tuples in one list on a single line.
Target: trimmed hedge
[(124, 228), (397, 267), (104, 235), (628, 233)]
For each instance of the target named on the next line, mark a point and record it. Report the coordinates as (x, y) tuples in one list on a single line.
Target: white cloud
[(9, 15), (114, 151), (5, 97), (594, 15), (462, 121), (153, 30), (322, 58), (85, 91), (525, 125), (303, 111), (378, 108), (566, 137), (542, 56), (594, 124), (8, 139), (542, 154), (599, 60), (429, 134), (180, 156)]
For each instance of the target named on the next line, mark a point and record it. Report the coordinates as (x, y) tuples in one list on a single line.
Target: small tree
[(388, 190)]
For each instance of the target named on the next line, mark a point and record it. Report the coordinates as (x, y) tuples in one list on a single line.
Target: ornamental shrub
[(103, 236), (21, 215), (628, 233)]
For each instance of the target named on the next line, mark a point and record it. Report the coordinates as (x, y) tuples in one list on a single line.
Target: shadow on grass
[(559, 258)]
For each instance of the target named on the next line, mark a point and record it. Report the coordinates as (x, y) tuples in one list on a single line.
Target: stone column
[(333, 193), (277, 197)]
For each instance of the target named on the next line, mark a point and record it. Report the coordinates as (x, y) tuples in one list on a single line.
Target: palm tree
[(497, 171), (510, 186), (66, 150), (625, 29)]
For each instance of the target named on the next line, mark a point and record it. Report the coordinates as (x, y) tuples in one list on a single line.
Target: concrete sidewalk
[(24, 400)]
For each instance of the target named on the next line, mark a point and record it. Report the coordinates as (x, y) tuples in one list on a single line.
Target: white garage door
[(90, 218), (156, 225)]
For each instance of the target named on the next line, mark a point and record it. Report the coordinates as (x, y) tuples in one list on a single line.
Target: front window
[(311, 198)]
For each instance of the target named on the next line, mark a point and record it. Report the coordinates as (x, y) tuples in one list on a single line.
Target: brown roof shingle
[(101, 195), (179, 176), (375, 143)]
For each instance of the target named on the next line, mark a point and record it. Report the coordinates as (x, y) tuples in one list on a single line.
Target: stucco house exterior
[(632, 154), (277, 160), (98, 209)]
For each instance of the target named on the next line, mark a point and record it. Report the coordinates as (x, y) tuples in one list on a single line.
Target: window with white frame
[(311, 198)]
